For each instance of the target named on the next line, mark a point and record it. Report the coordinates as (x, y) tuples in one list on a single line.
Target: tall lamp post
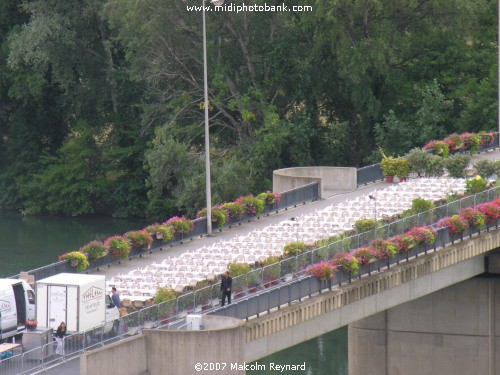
[(296, 225), (374, 199), (208, 188)]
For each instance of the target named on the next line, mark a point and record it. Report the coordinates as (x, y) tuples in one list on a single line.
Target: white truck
[(17, 305), (78, 300)]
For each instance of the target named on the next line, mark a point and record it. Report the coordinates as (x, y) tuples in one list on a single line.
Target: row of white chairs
[(260, 244)]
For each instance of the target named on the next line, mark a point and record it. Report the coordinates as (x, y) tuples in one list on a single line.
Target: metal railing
[(290, 198), (373, 173), (256, 292)]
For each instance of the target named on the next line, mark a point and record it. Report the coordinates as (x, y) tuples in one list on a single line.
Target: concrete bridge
[(433, 314)]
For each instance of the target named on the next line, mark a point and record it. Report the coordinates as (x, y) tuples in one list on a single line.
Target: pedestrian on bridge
[(226, 284)]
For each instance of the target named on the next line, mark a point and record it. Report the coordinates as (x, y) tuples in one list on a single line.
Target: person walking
[(226, 285), (115, 297), (60, 333)]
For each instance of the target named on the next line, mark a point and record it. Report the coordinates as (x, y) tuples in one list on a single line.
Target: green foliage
[(94, 250), (434, 166), (118, 247), (237, 269), (389, 166), (219, 215), (164, 294), (139, 239), (253, 205), (294, 248), (418, 161), (456, 165), (486, 168), (77, 260), (234, 209), (419, 205), (180, 225), (475, 185), (364, 225), (402, 167), (310, 88), (165, 232)]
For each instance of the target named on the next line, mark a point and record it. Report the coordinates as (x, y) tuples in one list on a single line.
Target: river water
[(29, 242)]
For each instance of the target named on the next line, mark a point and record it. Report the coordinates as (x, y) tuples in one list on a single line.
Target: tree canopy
[(101, 101)]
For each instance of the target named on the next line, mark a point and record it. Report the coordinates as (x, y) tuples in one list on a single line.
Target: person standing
[(61, 332), (115, 297), (226, 285)]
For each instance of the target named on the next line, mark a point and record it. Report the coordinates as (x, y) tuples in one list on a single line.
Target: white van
[(17, 305)]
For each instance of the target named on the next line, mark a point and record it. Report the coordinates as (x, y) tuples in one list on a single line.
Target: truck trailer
[(78, 300)]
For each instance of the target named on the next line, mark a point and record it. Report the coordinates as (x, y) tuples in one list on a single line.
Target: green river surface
[(29, 242)]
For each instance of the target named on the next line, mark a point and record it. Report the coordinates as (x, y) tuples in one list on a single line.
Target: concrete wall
[(453, 331), (163, 352), (177, 352), (366, 297), (124, 357), (331, 178)]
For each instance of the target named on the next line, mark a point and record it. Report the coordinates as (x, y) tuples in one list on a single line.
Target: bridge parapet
[(370, 295)]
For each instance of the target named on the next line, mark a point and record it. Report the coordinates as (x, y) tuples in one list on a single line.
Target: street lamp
[(374, 199), (207, 133), (296, 225)]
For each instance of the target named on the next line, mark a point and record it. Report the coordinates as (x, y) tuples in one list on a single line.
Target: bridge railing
[(290, 198), (373, 173), (254, 293)]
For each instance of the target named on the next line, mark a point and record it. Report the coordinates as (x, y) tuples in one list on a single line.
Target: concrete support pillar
[(453, 331)]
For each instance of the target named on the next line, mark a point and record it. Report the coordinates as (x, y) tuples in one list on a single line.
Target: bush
[(347, 262), (475, 218), (454, 142), (364, 225), (322, 270), (388, 165), (180, 225), (163, 295), (418, 205), (219, 215), (455, 224), (118, 247), (438, 148), (94, 250), (76, 259), (456, 165), (490, 211), (384, 249), (269, 197), (422, 235), (418, 161), (364, 255), (403, 243), (487, 138), (237, 269), (475, 185), (294, 248), (139, 239), (485, 168), (164, 232), (253, 205), (472, 141), (234, 209), (402, 167), (434, 166)]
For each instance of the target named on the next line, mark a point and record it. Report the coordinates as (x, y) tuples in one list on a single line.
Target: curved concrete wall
[(163, 352), (331, 178), (452, 331)]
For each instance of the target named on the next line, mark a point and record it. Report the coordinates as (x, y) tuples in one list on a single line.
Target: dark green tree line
[(102, 101)]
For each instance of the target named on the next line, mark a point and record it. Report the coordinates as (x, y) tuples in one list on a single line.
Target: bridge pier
[(455, 330)]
